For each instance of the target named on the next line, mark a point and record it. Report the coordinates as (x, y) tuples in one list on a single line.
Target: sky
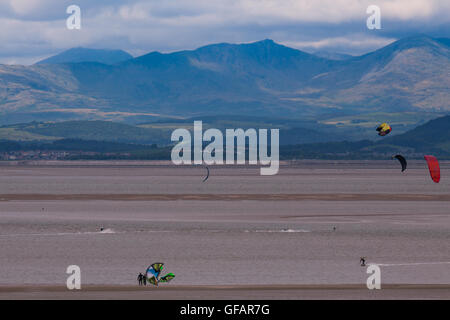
[(31, 30)]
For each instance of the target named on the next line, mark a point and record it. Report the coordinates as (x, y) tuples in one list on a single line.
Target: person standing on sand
[(362, 261), (140, 278), (144, 279)]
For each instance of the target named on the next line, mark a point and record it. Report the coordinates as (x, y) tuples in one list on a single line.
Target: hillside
[(112, 140), (431, 138), (84, 130), (434, 136), (156, 132), (264, 78), (77, 55)]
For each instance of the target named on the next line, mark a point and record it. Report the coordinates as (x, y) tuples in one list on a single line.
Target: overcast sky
[(34, 29)]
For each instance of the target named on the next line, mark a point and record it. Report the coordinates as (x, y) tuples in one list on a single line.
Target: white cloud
[(23, 7), (37, 27), (351, 42)]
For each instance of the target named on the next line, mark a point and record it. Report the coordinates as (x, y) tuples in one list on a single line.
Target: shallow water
[(303, 177)]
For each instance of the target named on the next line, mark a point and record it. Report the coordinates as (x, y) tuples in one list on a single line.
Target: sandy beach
[(229, 197), (285, 292), (298, 235)]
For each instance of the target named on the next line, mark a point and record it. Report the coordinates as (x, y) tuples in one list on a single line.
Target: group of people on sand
[(142, 280)]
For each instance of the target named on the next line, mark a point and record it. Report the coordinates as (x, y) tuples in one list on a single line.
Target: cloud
[(355, 43), (30, 29)]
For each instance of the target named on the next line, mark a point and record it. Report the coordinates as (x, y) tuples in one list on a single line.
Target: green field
[(16, 134)]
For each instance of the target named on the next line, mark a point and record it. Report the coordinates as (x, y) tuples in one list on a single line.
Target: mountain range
[(78, 55), (410, 76)]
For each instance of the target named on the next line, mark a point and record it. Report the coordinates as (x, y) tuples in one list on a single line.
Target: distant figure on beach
[(334, 228), (144, 280), (101, 229), (362, 261), (140, 278)]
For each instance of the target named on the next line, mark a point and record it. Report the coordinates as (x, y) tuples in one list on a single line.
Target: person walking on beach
[(144, 280), (362, 261), (140, 278)]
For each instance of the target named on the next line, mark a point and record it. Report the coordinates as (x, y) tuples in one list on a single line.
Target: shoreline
[(226, 292), (298, 163), (229, 197), (172, 287)]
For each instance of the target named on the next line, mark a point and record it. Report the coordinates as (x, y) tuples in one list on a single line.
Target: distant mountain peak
[(267, 41), (81, 54), (259, 43), (263, 51), (420, 41), (415, 41)]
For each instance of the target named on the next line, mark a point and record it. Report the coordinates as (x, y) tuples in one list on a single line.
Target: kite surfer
[(383, 129), (144, 280), (402, 160), (433, 166), (140, 278), (362, 261), (207, 174), (153, 274)]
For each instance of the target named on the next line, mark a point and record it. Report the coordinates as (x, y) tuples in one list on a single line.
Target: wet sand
[(229, 197), (277, 292), (297, 235)]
